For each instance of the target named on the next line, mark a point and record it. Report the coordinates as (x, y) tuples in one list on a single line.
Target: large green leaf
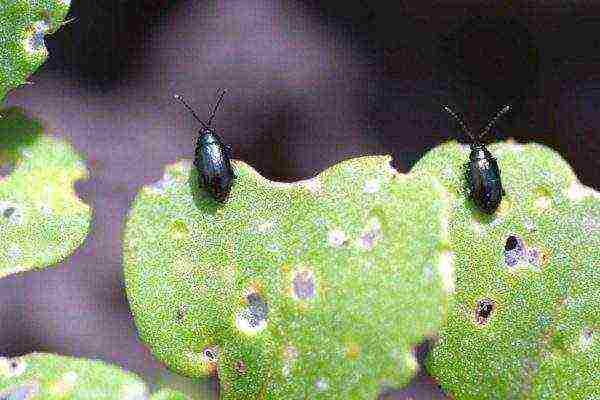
[(318, 289), (526, 316)]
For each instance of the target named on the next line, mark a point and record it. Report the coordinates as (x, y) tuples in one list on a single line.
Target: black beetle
[(212, 158), (483, 173)]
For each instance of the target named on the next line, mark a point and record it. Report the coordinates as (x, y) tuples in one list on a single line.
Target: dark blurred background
[(310, 83)]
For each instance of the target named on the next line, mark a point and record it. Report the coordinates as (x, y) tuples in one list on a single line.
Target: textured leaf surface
[(42, 220), (22, 30), (45, 376), (526, 317), (169, 394), (318, 289)]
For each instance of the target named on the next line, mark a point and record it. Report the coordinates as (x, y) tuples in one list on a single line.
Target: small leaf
[(42, 220), (38, 376), (24, 25)]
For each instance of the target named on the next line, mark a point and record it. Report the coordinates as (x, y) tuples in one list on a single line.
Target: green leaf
[(168, 394), (41, 219), (42, 376), (24, 25), (526, 320), (318, 289)]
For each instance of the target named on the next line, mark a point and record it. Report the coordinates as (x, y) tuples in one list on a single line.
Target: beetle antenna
[(460, 121), (178, 97), (494, 119), (216, 106)]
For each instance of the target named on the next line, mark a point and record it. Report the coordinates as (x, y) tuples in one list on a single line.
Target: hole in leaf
[(533, 256), (240, 367), (8, 212), (210, 354), (483, 311), (514, 250), (304, 285), (257, 309), (512, 243)]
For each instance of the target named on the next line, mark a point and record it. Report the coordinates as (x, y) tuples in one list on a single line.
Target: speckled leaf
[(195, 388), (42, 220), (318, 289), (22, 48), (42, 376), (170, 394), (526, 317)]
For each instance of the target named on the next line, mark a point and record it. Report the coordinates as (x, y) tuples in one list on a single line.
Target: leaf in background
[(42, 220), (24, 23)]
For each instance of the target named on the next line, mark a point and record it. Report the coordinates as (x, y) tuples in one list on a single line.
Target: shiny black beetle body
[(483, 173), (484, 179), (213, 165), (212, 158)]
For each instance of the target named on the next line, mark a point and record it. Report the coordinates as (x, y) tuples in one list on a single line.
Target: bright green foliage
[(539, 338), (24, 23), (42, 220), (42, 376), (168, 394), (194, 388), (318, 289)]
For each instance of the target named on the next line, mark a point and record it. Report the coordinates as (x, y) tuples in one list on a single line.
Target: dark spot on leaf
[(210, 354), (8, 211), (513, 243), (514, 250), (240, 367), (483, 311), (533, 256), (257, 309), (304, 285), (181, 312)]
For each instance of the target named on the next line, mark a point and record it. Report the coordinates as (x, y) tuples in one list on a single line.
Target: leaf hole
[(210, 353), (512, 243), (304, 285), (514, 250), (253, 318), (8, 212), (257, 308), (240, 367), (483, 311)]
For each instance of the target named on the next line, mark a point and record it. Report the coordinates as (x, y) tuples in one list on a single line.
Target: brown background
[(310, 83)]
